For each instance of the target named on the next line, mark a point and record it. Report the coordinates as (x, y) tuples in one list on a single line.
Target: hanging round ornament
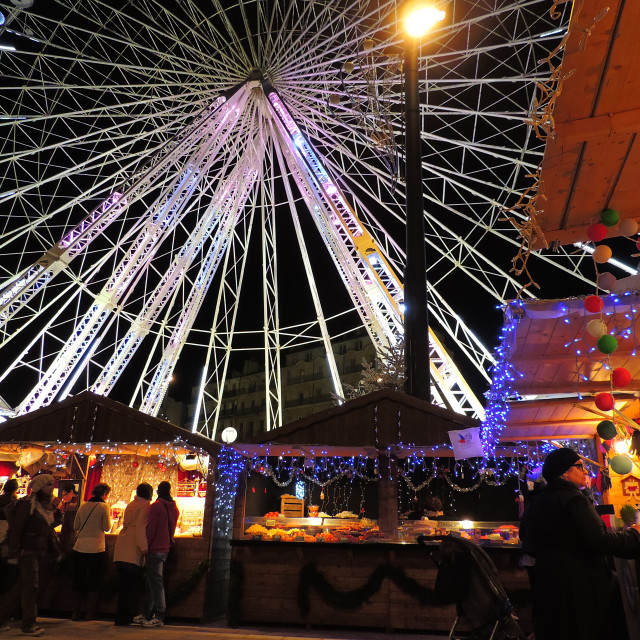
[(620, 377), (606, 430), (601, 254), (628, 227), (607, 281), (621, 464), (597, 232), (135, 464), (607, 344), (593, 304), (604, 401), (596, 328), (609, 217)]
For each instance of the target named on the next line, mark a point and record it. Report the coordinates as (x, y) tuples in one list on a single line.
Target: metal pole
[(416, 321)]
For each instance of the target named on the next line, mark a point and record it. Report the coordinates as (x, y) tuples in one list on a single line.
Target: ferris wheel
[(219, 178)]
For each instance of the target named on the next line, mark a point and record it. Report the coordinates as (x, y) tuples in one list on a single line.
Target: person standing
[(131, 549), (8, 501), (89, 552), (163, 518), (574, 591), (32, 541)]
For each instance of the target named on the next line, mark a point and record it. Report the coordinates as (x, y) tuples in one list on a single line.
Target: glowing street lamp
[(418, 20)]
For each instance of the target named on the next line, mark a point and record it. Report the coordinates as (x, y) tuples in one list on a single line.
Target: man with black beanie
[(575, 593)]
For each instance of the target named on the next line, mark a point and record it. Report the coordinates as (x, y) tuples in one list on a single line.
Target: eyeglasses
[(579, 465)]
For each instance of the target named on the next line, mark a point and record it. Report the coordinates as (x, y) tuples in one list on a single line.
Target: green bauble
[(621, 464), (606, 430), (609, 217), (607, 344)]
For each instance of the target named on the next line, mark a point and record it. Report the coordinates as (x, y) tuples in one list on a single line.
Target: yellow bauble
[(602, 254)]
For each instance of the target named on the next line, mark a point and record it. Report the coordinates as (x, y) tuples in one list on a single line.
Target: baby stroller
[(468, 578)]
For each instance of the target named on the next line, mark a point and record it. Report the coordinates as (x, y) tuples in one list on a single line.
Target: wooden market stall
[(314, 568), (558, 373), (592, 156), (88, 439)]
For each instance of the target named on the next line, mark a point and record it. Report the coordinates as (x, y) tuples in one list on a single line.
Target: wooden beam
[(607, 125)]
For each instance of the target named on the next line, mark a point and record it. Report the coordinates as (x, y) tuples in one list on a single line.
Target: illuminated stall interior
[(88, 439)]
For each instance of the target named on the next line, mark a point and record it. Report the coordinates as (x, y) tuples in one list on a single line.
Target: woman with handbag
[(92, 521)]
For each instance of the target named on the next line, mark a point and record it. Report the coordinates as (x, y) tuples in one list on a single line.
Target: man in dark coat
[(31, 541), (575, 594)]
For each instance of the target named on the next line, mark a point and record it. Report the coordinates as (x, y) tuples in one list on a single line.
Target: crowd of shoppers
[(28, 540)]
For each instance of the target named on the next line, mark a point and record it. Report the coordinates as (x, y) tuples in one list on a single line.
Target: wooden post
[(388, 494)]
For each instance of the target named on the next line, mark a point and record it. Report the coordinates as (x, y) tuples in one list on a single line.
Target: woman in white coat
[(131, 548)]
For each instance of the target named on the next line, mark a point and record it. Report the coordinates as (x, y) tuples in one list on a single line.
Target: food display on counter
[(336, 529)]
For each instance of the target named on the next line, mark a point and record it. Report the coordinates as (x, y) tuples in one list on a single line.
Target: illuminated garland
[(321, 471), (230, 465), (503, 375)]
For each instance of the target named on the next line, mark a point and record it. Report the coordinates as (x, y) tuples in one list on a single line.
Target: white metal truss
[(376, 290), (107, 112)]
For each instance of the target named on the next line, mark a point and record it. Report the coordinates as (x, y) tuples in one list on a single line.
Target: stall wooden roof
[(593, 160), (91, 418), (557, 385), (366, 424)]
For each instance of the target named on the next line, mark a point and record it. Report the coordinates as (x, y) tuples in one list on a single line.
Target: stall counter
[(301, 583)]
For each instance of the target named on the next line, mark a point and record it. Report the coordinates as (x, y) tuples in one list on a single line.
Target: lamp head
[(421, 17)]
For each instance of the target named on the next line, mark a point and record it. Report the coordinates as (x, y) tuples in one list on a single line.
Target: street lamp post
[(416, 321)]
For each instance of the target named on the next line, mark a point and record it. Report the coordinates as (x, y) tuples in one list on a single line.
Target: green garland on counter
[(188, 585), (310, 578)]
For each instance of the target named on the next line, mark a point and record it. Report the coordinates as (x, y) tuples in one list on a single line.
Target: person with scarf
[(32, 541), (92, 521), (163, 518)]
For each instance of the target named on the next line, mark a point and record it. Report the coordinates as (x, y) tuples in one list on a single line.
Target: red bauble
[(593, 304), (620, 377), (597, 232), (604, 401), (135, 464)]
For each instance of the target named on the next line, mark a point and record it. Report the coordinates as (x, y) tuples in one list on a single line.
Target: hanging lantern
[(593, 304), (606, 430), (596, 328), (607, 344), (601, 254), (628, 227), (604, 401), (597, 232), (609, 217), (621, 464), (620, 377), (334, 99), (348, 66), (607, 281)]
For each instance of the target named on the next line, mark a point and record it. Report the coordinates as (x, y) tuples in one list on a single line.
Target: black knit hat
[(557, 462)]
